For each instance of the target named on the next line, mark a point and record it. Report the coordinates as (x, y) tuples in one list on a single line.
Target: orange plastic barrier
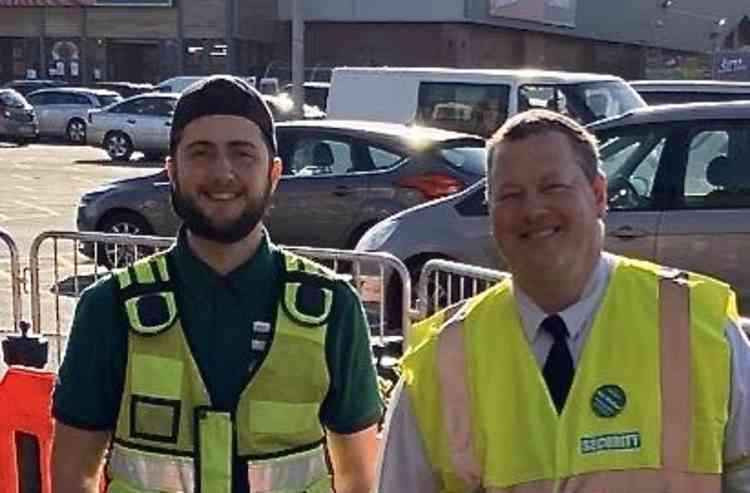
[(25, 417)]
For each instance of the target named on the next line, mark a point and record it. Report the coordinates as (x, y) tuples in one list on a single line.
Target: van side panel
[(373, 96)]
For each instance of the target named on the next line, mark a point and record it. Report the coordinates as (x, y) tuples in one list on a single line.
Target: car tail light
[(433, 186)]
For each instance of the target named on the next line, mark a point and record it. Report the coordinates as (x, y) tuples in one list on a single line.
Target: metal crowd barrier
[(62, 264), (444, 282), (14, 275)]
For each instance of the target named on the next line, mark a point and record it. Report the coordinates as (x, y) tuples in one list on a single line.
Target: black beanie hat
[(221, 95)]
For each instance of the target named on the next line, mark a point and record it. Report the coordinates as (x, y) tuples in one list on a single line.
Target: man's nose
[(223, 167), (533, 207)]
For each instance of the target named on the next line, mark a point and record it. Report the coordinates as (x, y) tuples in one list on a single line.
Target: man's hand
[(354, 459), (77, 459)]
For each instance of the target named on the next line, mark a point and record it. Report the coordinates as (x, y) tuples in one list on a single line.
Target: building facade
[(83, 41)]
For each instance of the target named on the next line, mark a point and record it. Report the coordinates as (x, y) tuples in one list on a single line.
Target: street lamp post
[(298, 56)]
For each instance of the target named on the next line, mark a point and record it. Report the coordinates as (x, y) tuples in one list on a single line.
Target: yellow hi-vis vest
[(169, 438), (646, 411)]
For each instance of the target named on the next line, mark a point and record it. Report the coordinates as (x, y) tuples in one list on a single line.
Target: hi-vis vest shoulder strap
[(646, 411), (171, 438), (148, 295)]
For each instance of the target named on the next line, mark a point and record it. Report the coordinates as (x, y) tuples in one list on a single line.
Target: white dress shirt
[(403, 463)]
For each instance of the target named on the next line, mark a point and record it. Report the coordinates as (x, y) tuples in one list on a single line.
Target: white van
[(472, 100)]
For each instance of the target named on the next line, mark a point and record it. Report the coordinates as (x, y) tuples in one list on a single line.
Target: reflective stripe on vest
[(137, 470), (683, 455), (166, 419)]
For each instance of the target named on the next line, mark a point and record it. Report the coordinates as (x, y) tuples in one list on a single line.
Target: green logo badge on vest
[(608, 401)]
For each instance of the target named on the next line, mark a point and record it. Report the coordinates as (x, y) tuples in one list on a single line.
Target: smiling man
[(226, 363), (585, 371)]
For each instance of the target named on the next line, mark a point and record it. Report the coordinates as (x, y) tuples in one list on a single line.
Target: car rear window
[(466, 158)]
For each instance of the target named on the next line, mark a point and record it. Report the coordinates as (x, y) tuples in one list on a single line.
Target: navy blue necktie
[(558, 369)]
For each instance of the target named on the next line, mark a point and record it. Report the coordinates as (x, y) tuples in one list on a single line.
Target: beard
[(201, 225)]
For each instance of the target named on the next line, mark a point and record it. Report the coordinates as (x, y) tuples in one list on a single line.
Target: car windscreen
[(105, 101), (469, 159), (591, 101), (11, 99)]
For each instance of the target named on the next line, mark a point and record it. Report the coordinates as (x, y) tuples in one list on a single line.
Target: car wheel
[(127, 223), (119, 147), (76, 131)]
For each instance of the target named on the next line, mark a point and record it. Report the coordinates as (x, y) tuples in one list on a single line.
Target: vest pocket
[(154, 419), (283, 417)]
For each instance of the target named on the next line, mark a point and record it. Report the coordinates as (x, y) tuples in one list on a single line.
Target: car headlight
[(376, 236)]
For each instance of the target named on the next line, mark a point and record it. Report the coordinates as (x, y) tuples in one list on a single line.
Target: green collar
[(201, 282)]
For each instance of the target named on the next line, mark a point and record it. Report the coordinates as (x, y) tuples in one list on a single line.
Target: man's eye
[(554, 187), (508, 196)]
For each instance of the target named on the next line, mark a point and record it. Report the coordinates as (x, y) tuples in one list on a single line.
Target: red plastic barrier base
[(25, 407)]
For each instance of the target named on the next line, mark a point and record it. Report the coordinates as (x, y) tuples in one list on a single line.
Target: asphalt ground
[(40, 186)]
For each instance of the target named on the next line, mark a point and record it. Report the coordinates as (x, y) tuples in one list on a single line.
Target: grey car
[(339, 179), (139, 123), (62, 111), (18, 121), (679, 194)]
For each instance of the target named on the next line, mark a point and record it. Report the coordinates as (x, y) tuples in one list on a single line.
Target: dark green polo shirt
[(217, 313)]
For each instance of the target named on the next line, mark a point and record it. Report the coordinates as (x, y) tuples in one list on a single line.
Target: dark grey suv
[(340, 178)]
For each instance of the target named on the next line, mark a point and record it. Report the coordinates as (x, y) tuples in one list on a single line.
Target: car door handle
[(628, 233), (132, 122), (167, 124), (342, 190)]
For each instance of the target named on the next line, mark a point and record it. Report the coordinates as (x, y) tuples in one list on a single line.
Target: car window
[(107, 100), (322, 156), (127, 107), (465, 158), (41, 99), (718, 172), (473, 108), (630, 162), (160, 107), (80, 99), (378, 159)]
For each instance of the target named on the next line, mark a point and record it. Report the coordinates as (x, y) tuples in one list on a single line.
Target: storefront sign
[(557, 12), (86, 3), (732, 65)]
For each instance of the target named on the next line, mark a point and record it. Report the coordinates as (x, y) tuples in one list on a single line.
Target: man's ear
[(171, 166), (277, 166), (599, 186)]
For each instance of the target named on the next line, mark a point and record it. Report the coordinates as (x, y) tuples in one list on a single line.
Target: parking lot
[(39, 191)]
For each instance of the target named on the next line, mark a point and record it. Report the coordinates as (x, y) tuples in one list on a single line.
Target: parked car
[(18, 121), (472, 100), (679, 194), (62, 111), (140, 123), (316, 93), (26, 86), (180, 83), (690, 91), (126, 89), (339, 179)]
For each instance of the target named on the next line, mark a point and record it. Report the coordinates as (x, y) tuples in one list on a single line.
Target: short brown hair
[(535, 122)]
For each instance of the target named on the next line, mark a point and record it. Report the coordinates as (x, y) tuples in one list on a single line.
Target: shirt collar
[(576, 315), (200, 279)]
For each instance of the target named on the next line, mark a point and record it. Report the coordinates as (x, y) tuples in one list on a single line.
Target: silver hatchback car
[(679, 194), (139, 123), (62, 111)]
